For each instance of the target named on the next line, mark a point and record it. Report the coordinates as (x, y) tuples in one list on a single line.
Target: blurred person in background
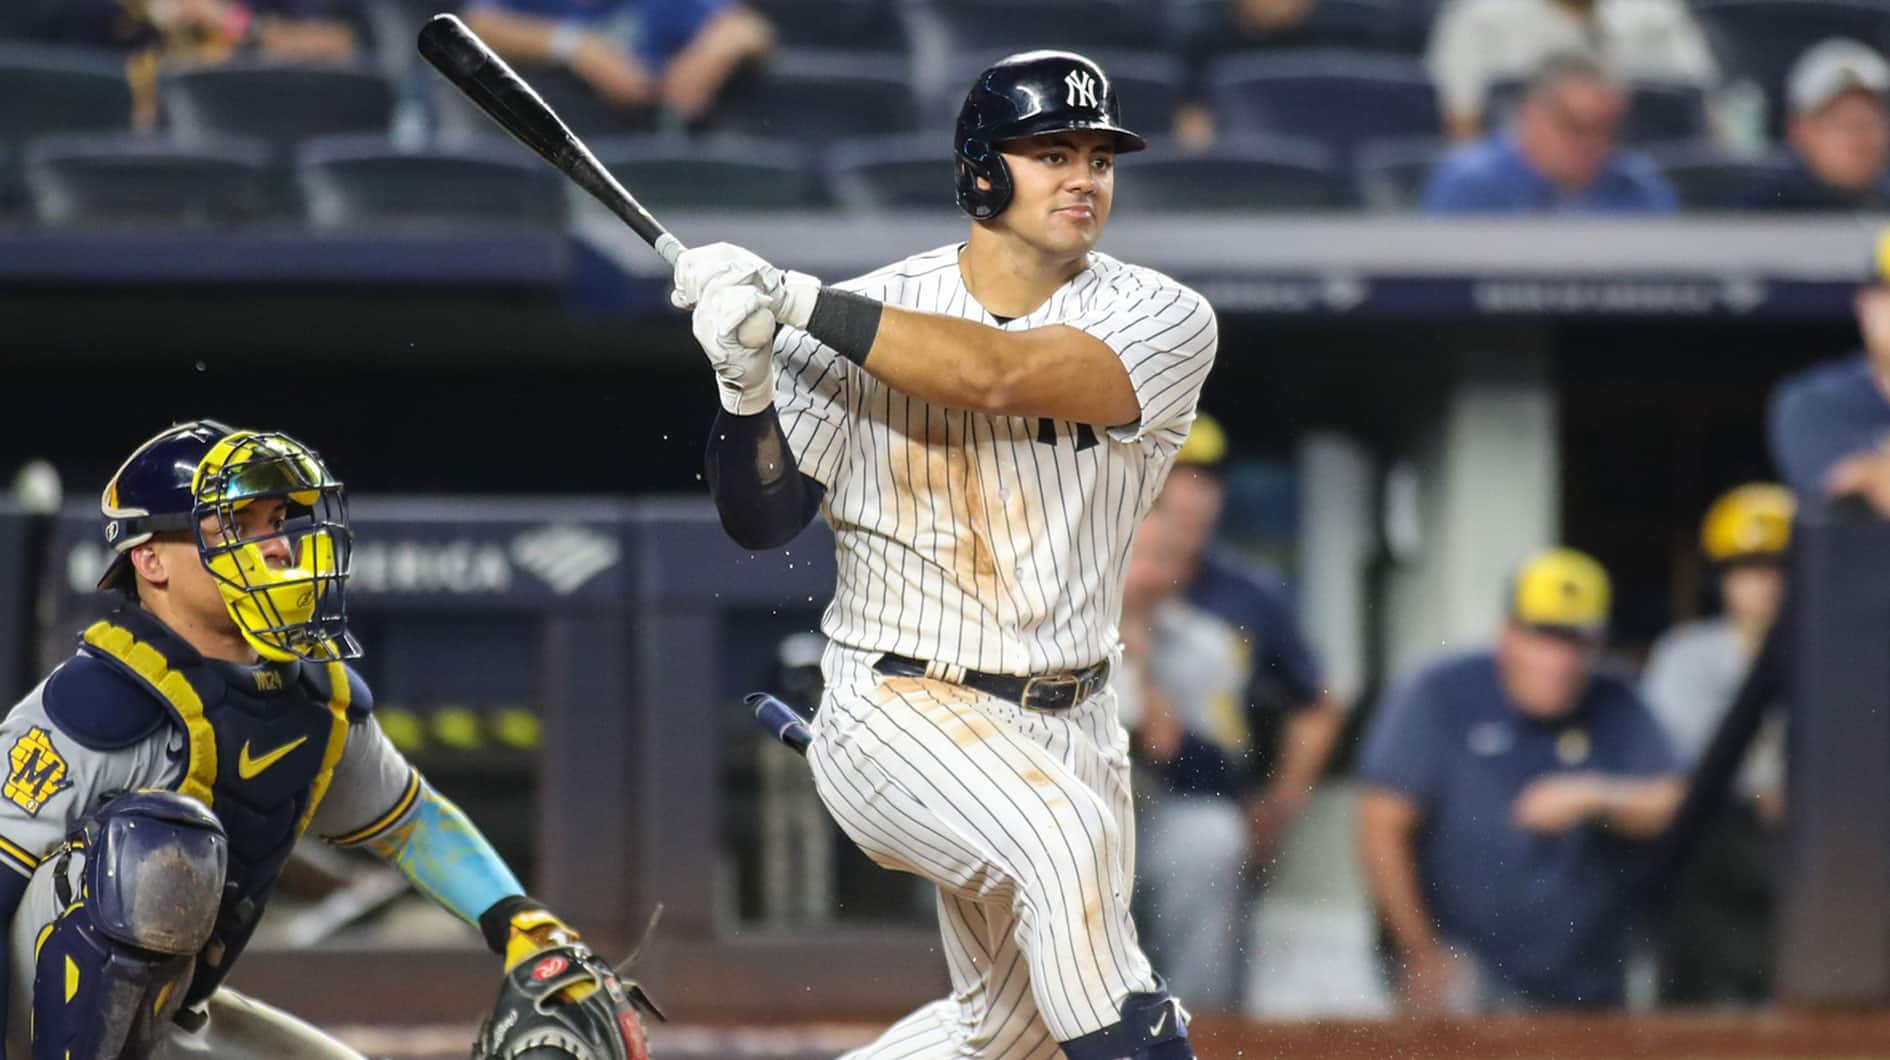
[(1717, 944), (1839, 132), (1506, 791), (1205, 32), (633, 54), (1559, 156), (1477, 44), (1213, 649), (1829, 425), (151, 32)]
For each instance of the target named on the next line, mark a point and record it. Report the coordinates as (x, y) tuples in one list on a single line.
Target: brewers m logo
[(1082, 89), (35, 771)]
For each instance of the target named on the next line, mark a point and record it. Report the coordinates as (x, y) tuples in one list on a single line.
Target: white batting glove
[(735, 328), (701, 270)]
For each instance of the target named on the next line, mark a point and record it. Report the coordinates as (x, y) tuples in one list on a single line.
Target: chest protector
[(260, 745)]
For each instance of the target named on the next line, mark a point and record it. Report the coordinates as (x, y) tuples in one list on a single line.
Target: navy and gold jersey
[(275, 750)]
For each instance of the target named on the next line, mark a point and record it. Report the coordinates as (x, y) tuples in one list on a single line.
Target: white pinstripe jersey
[(994, 543)]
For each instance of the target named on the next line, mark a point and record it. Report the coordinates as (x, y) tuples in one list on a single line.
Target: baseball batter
[(983, 425), (157, 780)]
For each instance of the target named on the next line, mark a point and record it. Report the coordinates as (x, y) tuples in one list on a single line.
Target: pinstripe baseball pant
[(1024, 820)]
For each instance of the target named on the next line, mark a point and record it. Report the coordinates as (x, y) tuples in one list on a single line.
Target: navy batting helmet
[(203, 470), (1029, 94)]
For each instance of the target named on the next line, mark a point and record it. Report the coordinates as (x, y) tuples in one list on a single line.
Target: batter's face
[(1062, 185), (1544, 673)]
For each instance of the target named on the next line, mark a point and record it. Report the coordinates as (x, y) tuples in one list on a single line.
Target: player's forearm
[(1311, 735), (1640, 808), (760, 494), (446, 857), (1056, 371), (1387, 828), (733, 36)]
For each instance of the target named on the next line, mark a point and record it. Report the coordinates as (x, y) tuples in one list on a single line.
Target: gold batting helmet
[(1749, 522)]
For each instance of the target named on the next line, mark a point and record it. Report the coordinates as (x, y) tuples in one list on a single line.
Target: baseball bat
[(783, 722), (473, 68)]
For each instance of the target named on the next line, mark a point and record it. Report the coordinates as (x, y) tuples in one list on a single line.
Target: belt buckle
[(1032, 683)]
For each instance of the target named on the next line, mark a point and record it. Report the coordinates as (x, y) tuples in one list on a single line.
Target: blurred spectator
[(1209, 31), (1560, 155), (1476, 44), (1504, 793), (1717, 946), (1839, 132), (1829, 425), (203, 31), (1213, 647), (632, 53)]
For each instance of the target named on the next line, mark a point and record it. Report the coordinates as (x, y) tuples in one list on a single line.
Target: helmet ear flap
[(980, 158)]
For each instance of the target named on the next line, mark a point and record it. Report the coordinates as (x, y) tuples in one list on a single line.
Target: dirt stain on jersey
[(934, 468), (949, 706)]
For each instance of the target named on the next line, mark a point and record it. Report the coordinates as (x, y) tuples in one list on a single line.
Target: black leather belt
[(1053, 691)]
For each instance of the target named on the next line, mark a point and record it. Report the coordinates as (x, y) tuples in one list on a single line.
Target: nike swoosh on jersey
[(1159, 1024), (247, 767)]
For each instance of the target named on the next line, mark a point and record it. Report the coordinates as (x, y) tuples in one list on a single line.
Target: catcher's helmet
[(1029, 94), (204, 470)]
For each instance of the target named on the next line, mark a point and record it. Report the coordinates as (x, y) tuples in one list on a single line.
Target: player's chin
[(1073, 231)]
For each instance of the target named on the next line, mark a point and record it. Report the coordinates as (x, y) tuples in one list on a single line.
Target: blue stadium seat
[(1391, 175), (812, 97), (722, 172), (275, 102), (893, 173), (1761, 39), (1148, 85), (1241, 173), (128, 178), (356, 180), (853, 25), (1336, 98), (1001, 27), (56, 89), (1708, 177)]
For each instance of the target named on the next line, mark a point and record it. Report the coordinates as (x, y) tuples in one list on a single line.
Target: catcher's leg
[(232, 1026), (136, 893)]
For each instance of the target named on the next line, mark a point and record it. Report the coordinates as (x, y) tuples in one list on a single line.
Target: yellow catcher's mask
[(291, 606), (1561, 589), (1749, 522)]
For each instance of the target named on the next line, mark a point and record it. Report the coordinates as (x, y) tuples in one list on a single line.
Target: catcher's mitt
[(536, 1017)]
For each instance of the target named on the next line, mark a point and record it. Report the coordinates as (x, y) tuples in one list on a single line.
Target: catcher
[(157, 780)]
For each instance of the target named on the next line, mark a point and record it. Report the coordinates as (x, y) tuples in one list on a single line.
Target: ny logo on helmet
[(1082, 89)]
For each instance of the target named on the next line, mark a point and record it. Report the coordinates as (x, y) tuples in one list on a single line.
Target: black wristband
[(496, 922), (845, 322)]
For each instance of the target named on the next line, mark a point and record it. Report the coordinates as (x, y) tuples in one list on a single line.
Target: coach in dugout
[(633, 54), (1212, 651), (1504, 795)]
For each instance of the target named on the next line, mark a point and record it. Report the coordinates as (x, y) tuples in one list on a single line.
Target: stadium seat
[(1391, 175), (811, 97), (909, 172), (364, 179), (1761, 39), (1148, 85), (53, 89), (123, 178), (1336, 98), (1364, 25), (1005, 26), (853, 25), (723, 172), (275, 102), (1246, 173), (1707, 177), (586, 114)]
